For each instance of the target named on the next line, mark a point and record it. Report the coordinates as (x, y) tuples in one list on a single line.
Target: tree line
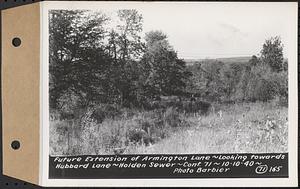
[(262, 78), (94, 58), (91, 62)]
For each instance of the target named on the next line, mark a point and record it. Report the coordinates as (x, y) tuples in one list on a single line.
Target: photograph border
[(44, 135)]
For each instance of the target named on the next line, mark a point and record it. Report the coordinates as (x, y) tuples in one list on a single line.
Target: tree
[(254, 61), (78, 63), (153, 37), (126, 47), (164, 72), (265, 90), (272, 53), (231, 75), (129, 29)]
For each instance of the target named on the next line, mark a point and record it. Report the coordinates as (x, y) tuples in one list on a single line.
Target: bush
[(153, 105), (68, 102), (171, 117), (104, 111), (117, 131), (139, 136), (272, 85), (280, 81), (196, 107), (265, 90)]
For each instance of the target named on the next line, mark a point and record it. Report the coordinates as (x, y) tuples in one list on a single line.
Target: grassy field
[(235, 128)]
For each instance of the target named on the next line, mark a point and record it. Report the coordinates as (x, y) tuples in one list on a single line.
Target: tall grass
[(248, 127), (241, 128)]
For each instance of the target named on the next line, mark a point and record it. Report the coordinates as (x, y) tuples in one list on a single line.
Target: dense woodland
[(104, 63)]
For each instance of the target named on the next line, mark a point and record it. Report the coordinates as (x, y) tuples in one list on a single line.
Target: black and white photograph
[(204, 79)]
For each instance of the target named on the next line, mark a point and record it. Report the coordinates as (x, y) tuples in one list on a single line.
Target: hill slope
[(243, 59)]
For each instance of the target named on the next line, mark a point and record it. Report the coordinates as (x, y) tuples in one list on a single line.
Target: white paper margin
[(201, 182)]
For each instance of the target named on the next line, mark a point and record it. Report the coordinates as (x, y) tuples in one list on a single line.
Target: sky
[(220, 30), (199, 30)]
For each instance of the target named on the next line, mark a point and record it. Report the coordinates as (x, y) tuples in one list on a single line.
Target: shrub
[(139, 136), (127, 112), (265, 90), (196, 107), (204, 107), (104, 111), (280, 81), (68, 102), (171, 117), (153, 105), (129, 130), (66, 115)]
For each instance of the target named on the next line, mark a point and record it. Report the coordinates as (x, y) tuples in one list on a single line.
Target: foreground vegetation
[(113, 92), (236, 128)]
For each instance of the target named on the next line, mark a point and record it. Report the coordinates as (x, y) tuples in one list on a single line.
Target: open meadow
[(233, 128)]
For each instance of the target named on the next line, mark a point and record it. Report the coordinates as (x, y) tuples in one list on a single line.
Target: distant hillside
[(235, 59), (243, 59)]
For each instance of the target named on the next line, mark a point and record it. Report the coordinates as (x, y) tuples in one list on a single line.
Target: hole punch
[(15, 145), (16, 42)]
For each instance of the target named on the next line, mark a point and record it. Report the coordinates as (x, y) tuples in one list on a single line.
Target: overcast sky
[(210, 30), (220, 30)]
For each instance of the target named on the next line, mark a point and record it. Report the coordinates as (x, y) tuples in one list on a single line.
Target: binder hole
[(16, 41), (15, 145)]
